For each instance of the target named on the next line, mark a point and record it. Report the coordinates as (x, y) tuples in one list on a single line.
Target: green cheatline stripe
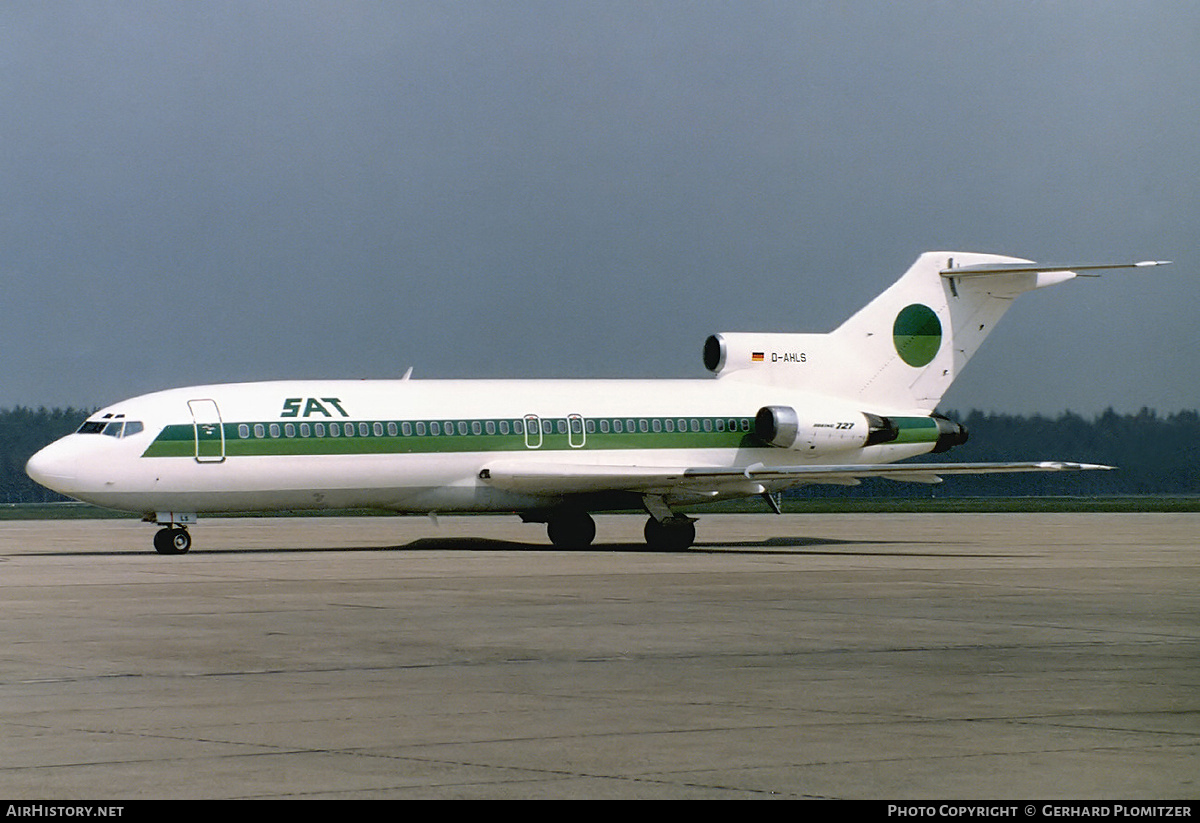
[(179, 440)]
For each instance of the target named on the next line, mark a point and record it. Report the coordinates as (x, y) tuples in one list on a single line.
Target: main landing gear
[(571, 529), (673, 535), (575, 529)]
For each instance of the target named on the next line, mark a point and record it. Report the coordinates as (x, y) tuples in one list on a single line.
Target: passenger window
[(319, 429), (243, 431), (377, 428), (305, 430), (274, 429), (393, 431), (289, 429), (490, 427), (259, 431)]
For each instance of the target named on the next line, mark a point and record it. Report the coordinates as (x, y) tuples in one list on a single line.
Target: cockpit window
[(111, 428)]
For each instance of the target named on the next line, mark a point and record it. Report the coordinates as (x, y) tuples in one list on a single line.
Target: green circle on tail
[(917, 334)]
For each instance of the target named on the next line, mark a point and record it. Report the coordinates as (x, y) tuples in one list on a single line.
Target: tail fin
[(909, 344), (904, 348)]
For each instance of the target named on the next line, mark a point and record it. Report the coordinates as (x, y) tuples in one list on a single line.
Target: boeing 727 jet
[(782, 410)]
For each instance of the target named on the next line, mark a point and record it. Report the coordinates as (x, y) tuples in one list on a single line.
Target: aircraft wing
[(566, 478)]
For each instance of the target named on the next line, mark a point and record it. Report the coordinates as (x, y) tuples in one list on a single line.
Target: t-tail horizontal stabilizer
[(1023, 268)]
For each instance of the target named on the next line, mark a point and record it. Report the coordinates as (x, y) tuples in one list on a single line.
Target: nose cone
[(53, 467)]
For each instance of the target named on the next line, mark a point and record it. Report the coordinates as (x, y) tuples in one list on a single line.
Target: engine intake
[(777, 426), (715, 353)]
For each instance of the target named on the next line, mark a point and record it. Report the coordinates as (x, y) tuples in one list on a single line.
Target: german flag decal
[(756, 357)]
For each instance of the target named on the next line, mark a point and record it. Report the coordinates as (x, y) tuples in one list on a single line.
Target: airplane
[(780, 410)]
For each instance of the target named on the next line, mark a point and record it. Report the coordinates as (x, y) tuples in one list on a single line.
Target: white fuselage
[(421, 445)]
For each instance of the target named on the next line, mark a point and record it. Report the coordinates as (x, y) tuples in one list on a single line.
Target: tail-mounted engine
[(763, 354), (784, 428)]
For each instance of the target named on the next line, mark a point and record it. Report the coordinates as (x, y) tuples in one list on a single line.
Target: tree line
[(1151, 453), (22, 432), (1154, 454)]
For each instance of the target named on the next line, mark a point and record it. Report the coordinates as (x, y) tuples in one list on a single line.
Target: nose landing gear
[(172, 540)]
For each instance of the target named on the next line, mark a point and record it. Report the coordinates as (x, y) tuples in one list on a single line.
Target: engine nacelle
[(764, 353), (833, 429), (782, 427)]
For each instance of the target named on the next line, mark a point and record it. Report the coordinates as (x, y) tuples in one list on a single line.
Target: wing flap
[(903, 472), (568, 478)]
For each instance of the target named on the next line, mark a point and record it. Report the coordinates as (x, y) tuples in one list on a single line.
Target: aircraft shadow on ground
[(775, 545), (767, 546), (772, 545)]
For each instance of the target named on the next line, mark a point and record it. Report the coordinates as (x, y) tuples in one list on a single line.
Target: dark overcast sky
[(204, 192)]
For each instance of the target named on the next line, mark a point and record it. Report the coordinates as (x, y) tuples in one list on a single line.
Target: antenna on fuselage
[(407, 374)]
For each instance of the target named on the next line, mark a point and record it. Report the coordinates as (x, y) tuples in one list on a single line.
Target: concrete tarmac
[(938, 656)]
